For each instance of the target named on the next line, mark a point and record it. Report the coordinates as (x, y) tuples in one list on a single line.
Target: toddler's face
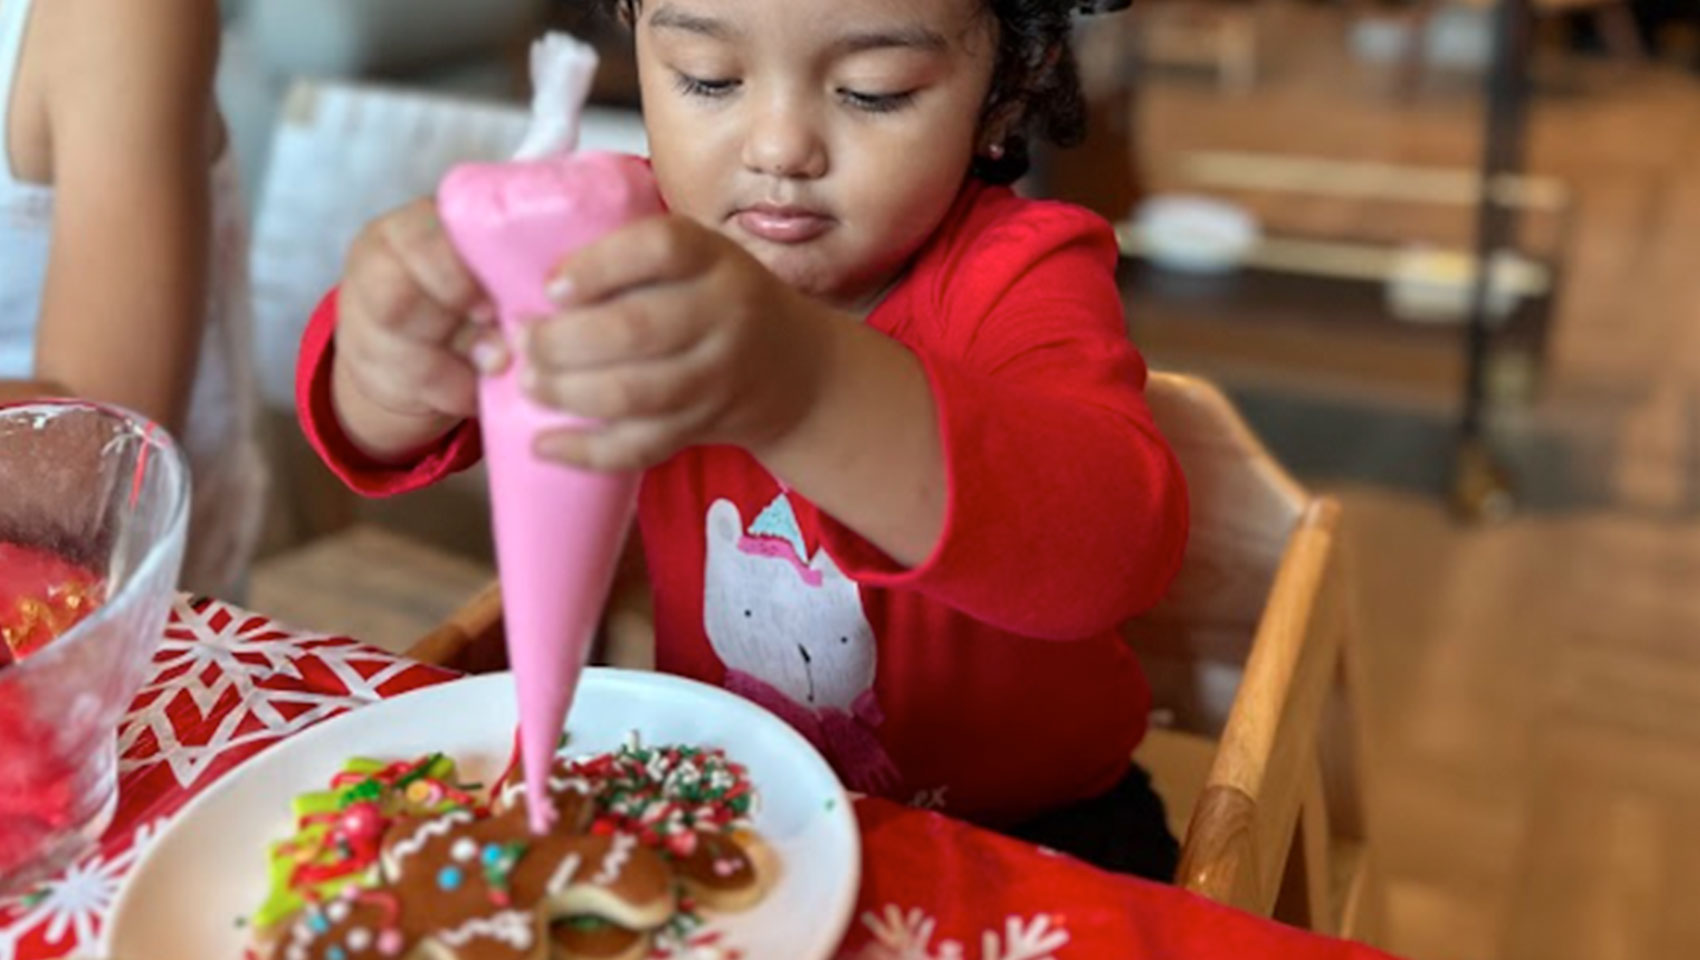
[(828, 137)]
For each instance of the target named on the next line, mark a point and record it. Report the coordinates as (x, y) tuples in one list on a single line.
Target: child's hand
[(411, 321), (671, 335)]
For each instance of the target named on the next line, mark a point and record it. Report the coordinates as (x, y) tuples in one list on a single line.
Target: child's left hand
[(671, 335)]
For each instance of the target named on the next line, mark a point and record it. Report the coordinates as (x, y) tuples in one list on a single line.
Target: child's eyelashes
[(701, 87), (721, 88), (877, 102)]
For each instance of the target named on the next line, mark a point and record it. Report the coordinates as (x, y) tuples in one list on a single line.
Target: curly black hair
[(1035, 83)]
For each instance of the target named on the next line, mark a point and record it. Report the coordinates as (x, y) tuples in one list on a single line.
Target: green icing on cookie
[(368, 781)]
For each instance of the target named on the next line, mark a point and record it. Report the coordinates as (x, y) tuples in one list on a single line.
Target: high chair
[(1251, 667)]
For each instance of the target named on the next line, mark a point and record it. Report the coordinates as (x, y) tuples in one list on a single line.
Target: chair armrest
[(471, 639)]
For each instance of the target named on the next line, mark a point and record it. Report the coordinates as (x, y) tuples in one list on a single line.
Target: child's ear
[(998, 127)]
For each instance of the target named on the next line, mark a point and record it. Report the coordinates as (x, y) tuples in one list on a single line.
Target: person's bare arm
[(133, 130), (20, 391)]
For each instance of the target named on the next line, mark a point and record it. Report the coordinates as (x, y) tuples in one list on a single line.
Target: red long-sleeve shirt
[(990, 680)]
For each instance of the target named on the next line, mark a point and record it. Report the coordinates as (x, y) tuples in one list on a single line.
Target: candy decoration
[(42, 597), (338, 830)]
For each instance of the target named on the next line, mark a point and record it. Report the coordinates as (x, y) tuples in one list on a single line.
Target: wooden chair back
[(1250, 664)]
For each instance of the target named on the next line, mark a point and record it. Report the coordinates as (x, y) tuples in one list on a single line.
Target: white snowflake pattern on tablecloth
[(213, 651), (900, 934), (76, 902)]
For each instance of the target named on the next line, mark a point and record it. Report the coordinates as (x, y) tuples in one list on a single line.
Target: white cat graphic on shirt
[(790, 630)]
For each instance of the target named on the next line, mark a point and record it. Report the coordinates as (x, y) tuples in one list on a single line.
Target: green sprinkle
[(368, 790), (419, 770), (588, 923)]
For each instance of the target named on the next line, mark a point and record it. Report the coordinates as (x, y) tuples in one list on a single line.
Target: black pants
[(1123, 830)]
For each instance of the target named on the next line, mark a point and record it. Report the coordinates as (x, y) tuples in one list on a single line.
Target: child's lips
[(778, 224)]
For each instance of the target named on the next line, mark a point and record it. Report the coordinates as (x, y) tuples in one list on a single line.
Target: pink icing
[(847, 740), (558, 531)]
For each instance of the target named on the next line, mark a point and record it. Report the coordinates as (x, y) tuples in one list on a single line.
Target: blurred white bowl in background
[(1194, 234)]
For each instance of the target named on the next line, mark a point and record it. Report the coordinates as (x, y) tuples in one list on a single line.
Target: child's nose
[(782, 142)]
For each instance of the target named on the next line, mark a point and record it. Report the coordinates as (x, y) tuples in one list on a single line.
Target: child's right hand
[(414, 329)]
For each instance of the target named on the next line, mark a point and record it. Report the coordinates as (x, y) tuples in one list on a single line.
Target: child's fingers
[(630, 328), (628, 391), (626, 445), (384, 293), (407, 376), (653, 250), (482, 346), (416, 236), (443, 380)]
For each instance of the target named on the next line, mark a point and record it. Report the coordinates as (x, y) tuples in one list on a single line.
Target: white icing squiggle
[(615, 861), (563, 875), (510, 927), (415, 842), (514, 789)]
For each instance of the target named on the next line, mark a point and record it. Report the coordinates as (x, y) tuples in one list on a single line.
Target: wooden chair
[(471, 639), (1251, 666), (1250, 662)]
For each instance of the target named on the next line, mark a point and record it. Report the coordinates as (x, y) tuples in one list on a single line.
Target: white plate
[(183, 901)]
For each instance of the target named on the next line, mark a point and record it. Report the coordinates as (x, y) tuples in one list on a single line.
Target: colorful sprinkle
[(450, 878), (665, 795), (499, 860)]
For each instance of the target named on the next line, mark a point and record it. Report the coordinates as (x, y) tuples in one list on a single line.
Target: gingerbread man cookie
[(361, 924), (608, 876), (726, 871), (592, 938)]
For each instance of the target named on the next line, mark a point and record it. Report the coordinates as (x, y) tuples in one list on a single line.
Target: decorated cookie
[(399, 861), (575, 797), (666, 795), (466, 912), (593, 938), (355, 924), (339, 830), (459, 864), (726, 871)]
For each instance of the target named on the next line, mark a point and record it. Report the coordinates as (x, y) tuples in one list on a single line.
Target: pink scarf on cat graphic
[(847, 740)]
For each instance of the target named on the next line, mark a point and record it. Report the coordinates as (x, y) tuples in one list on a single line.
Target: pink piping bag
[(558, 530)]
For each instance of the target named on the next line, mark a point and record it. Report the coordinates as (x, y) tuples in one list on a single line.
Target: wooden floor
[(1535, 697), (1535, 687)]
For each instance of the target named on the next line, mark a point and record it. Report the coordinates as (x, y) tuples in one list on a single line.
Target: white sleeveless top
[(225, 462)]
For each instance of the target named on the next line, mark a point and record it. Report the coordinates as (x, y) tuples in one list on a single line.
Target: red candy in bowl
[(94, 505)]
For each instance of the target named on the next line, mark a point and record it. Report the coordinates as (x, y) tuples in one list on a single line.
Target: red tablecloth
[(228, 683)]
